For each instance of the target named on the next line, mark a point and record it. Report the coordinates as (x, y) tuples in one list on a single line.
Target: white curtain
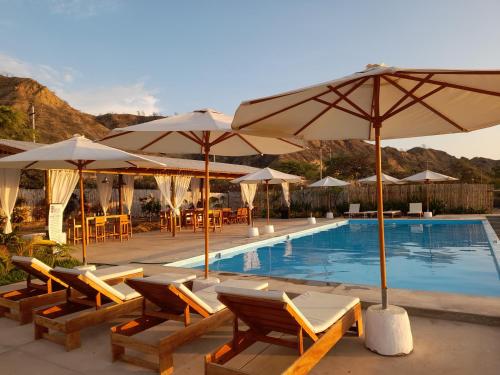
[(196, 191), (248, 194), (128, 191), (286, 193), (181, 186), (9, 187), (165, 185), (104, 189), (62, 183)]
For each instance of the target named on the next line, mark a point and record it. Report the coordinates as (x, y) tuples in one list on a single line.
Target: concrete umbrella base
[(268, 229), (311, 220), (329, 215), (388, 332), (253, 232)]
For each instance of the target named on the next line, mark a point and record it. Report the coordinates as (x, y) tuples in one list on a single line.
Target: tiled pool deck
[(452, 333)]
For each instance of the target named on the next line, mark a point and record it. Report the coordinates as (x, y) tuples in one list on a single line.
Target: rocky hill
[(57, 120)]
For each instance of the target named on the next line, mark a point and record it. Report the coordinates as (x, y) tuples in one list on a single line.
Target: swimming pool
[(437, 255)]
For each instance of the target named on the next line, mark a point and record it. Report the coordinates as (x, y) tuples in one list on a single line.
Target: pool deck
[(453, 333)]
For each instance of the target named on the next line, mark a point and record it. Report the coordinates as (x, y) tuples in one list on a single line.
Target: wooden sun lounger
[(353, 210), (369, 213), (392, 213), (322, 317), (172, 301), (415, 209), (89, 301), (19, 304)]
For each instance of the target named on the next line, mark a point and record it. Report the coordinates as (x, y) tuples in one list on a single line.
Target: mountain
[(57, 120)]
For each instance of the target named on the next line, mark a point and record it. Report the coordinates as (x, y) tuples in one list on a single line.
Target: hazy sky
[(176, 56)]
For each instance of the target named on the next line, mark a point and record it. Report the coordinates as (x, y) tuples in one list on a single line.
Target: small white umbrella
[(77, 153), (377, 103), (386, 179), (204, 131), (428, 177), (329, 182), (267, 176)]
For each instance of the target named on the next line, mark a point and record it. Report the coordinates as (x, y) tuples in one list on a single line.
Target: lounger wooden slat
[(19, 304), (171, 301), (266, 313), (89, 301)]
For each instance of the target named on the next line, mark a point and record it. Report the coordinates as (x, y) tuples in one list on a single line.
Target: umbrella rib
[(30, 164), (429, 107), (296, 104), (290, 142), (345, 98), (415, 101), (404, 97), (196, 136), (248, 143), (222, 138), (116, 135), (450, 85), (155, 140), (332, 105), (194, 139)]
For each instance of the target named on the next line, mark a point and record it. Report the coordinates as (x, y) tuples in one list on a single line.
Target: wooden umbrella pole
[(267, 199), (120, 194), (427, 195), (377, 124), (380, 215), (84, 224), (206, 207)]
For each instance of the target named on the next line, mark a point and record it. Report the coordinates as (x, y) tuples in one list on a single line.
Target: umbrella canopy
[(77, 153), (377, 103), (194, 133), (74, 153), (268, 176), (386, 179), (329, 182), (203, 131), (429, 176)]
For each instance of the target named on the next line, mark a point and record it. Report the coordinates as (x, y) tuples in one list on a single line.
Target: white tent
[(378, 103), (77, 153), (270, 176), (204, 131), (428, 177), (386, 179)]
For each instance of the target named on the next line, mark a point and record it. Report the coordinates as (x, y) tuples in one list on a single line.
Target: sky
[(168, 57)]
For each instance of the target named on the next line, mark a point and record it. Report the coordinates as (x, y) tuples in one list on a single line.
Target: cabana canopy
[(428, 176), (329, 182)]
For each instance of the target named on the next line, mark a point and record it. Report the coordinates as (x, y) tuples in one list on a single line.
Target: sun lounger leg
[(40, 331), (72, 341), (166, 364)]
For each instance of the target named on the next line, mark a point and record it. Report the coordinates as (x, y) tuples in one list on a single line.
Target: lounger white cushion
[(323, 309), (119, 291), (168, 278), (207, 298), (116, 271), (318, 311), (415, 208), (32, 261), (353, 208)]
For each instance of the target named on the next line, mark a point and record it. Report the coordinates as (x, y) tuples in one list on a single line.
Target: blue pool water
[(448, 256)]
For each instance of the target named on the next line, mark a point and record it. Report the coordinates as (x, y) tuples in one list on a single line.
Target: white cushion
[(116, 271), (415, 208), (207, 298), (353, 208), (30, 261), (322, 310), (168, 278), (128, 292), (87, 267)]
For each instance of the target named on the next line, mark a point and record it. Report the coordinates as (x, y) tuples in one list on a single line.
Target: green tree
[(13, 124), (307, 170)]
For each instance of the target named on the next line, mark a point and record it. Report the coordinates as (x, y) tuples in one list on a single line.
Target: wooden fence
[(445, 198)]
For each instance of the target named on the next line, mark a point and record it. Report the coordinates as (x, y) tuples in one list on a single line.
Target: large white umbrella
[(267, 176), (77, 153), (204, 131), (380, 102), (428, 177), (329, 182), (386, 179)]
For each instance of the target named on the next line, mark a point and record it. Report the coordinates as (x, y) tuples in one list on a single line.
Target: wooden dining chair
[(74, 231), (98, 229), (124, 229)]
